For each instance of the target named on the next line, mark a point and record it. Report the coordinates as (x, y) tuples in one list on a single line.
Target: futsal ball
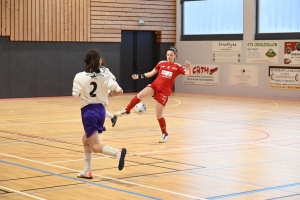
[(140, 108)]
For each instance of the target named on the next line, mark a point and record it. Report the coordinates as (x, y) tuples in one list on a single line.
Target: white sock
[(109, 115), (87, 162), (110, 151)]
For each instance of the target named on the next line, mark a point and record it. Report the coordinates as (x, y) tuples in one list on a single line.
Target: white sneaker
[(121, 158), (164, 138), (88, 175), (122, 112)]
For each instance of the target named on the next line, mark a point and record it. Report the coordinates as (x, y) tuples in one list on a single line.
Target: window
[(212, 20), (277, 19)]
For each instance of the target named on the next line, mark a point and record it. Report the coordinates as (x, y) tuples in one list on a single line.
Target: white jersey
[(93, 88), (106, 71)]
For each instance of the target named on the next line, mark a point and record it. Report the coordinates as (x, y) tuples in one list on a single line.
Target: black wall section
[(48, 69), (146, 56), (41, 69), (112, 54), (4, 67), (127, 53), (72, 56), (23, 69)]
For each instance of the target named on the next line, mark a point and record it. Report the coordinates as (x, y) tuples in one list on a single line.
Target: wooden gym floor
[(220, 147)]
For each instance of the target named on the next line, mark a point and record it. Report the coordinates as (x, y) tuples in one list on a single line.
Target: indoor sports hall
[(234, 124)]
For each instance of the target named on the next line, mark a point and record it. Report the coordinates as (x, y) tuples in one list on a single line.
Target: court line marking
[(292, 100), (254, 191), (217, 145), (106, 177), (78, 159), (237, 181), (207, 146), (80, 180), (277, 147), (22, 193), (284, 196)]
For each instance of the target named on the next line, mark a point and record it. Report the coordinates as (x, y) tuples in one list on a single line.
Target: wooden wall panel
[(37, 20), (41, 21), (17, 20), (58, 20), (33, 23), (12, 19), (110, 17), (86, 20), (29, 20), (3, 16), (88, 6), (21, 20), (50, 22), (77, 21), (7, 20), (54, 20)]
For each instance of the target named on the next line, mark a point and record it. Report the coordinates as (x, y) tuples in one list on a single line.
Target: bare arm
[(189, 71), (147, 75), (76, 88), (115, 93), (115, 88)]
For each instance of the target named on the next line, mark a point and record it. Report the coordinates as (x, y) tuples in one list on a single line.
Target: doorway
[(138, 56)]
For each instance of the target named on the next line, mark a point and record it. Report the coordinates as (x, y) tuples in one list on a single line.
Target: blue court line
[(198, 172), (37, 192), (227, 179), (80, 180), (284, 196), (254, 191)]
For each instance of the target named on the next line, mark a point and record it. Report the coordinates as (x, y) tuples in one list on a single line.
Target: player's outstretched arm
[(188, 72), (144, 75), (115, 93)]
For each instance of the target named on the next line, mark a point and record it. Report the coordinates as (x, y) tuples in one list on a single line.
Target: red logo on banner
[(204, 70)]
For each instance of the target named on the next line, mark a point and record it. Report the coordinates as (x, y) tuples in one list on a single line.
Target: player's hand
[(187, 63), (135, 76)]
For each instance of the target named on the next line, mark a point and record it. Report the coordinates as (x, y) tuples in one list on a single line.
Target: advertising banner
[(243, 75), (203, 75), (284, 77), (262, 52), (226, 52)]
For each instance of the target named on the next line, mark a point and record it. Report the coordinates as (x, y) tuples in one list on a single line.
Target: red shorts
[(159, 96)]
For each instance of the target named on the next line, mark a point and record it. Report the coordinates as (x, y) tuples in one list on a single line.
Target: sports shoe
[(88, 175), (121, 158), (114, 120), (122, 112), (164, 138)]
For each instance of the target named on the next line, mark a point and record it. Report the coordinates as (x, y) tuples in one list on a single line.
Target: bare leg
[(94, 143), (147, 91), (87, 160)]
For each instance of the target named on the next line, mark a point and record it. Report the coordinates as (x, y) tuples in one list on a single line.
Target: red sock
[(162, 124), (132, 103)]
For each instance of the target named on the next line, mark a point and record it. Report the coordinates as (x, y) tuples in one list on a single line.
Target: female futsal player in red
[(161, 88)]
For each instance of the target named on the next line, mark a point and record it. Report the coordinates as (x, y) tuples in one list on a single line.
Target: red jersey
[(167, 73)]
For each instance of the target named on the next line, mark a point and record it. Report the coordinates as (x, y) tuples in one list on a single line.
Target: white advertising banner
[(262, 52), (291, 53), (284, 77), (226, 52), (243, 75), (203, 75)]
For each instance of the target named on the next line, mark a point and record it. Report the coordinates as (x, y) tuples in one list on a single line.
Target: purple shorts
[(93, 117)]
